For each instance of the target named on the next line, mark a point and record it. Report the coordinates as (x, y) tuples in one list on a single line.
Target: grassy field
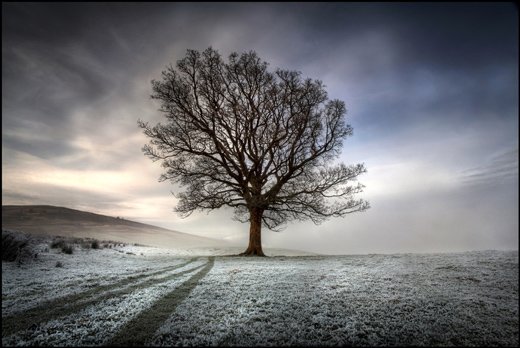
[(134, 295)]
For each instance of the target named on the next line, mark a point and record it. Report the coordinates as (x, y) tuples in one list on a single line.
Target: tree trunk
[(255, 230)]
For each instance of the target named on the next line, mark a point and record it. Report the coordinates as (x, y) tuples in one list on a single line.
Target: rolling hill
[(60, 221), (51, 220)]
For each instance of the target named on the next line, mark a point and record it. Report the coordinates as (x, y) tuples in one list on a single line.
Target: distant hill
[(51, 220), (59, 221), (29, 214)]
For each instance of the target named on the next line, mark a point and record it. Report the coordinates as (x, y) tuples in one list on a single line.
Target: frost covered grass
[(149, 296), (374, 300), (29, 284)]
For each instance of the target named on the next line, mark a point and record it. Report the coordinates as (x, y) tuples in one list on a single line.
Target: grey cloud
[(60, 196), (48, 149), (442, 35), (397, 64), (457, 102), (461, 36), (498, 169)]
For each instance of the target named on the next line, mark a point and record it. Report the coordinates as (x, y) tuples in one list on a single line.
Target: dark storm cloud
[(462, 55), (62, 23), (54, 41), (452, 65), (457, 61), (58, 57), (67, 68), (48, 86), (441, 35)]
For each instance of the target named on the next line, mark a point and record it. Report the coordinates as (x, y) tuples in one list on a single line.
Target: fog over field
[(53, 221), (431, 92)]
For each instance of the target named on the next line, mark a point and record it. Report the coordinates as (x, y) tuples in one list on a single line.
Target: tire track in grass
[(83, 282), (67, 299), (144, 326), (69, 304)]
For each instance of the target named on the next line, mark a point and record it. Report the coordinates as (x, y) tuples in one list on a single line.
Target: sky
[(431, 92)]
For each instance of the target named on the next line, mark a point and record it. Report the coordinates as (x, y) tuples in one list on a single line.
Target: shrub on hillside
[(57, 243), (67, 248), (16, 246), (63, 245)]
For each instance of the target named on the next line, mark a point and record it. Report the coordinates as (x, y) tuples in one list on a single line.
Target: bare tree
[(260, 142)]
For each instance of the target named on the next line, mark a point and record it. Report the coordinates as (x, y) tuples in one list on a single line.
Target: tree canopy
[(261, 142)]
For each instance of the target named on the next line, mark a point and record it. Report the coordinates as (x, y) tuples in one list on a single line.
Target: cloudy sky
[(431, 92)]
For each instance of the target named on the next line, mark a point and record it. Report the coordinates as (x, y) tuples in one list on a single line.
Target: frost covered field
[(149, 296)]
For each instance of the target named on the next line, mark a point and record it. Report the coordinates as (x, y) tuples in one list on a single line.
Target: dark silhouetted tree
[(260, 142)]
